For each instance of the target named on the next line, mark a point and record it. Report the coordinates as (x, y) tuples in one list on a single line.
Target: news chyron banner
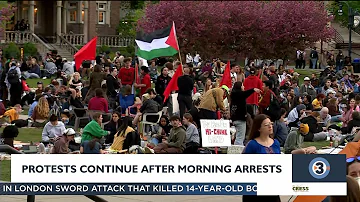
[(176, 174)]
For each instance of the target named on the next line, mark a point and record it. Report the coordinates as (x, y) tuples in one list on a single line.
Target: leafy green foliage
[(11, 51), (343, 19), (30, 49), (103, 49), (127, 26)]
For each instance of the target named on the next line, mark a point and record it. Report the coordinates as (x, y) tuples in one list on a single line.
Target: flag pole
[(178, 46)]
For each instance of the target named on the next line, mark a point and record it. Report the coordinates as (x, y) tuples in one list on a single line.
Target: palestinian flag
[(158, 43)]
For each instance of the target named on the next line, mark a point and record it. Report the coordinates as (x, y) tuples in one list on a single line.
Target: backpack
[(12, 76), (301, 55), (273, 111)]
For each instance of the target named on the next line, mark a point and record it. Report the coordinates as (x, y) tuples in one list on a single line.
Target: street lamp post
[(350, 23)]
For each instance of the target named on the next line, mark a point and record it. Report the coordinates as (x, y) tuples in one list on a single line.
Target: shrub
[(11, 51), (30, 50), (103, 49)]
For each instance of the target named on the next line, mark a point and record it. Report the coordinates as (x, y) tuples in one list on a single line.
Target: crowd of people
[(270, 109)]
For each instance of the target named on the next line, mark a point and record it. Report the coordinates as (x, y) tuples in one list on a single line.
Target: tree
[(256, 29), (6, 13)]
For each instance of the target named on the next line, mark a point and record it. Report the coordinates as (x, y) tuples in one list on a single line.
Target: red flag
[(172, 86), (137, 78), (87, 52), (226, 79)]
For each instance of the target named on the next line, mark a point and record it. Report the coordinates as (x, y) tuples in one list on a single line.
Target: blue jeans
[(240, 127), (155, 141), (313, 61)]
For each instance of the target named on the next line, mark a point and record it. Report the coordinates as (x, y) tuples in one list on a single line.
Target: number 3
[(319, 168)]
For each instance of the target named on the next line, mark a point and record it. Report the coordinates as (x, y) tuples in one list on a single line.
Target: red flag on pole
[(172, 86), (226, 79), (88, 52)]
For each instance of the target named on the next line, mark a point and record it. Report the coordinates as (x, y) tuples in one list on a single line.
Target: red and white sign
[(215, 133)]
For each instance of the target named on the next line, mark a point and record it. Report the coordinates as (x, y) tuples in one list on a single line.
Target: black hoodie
[(238, 104), (161, 84)]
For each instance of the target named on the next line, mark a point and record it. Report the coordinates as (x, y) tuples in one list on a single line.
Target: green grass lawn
[(318, 145), (33, 82), (27, 135), (5, 170)]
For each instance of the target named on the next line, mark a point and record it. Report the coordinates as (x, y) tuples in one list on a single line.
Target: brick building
[(89, 18)]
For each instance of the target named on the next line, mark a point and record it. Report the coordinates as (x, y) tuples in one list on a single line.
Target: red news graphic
[(216, 132)]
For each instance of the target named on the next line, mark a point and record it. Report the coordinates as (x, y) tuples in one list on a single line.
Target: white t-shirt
[(197, 58), (189, 59)]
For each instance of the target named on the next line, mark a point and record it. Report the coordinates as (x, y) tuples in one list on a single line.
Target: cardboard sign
[(175, 103), (235, 149), (215, 133)]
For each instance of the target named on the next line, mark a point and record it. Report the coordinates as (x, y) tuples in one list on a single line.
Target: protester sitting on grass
[(161, 130), (149, 106), (8, 135), (316, 130), (192, 140), (175, 143), (295, 139), (325, 118), (126, 136), (355, 122), (280, 128), (295, 115), (317, 102), (113, 127), (91, 146), (12, 114), (41, 111), (61, 143), (33, 105), (93, 129), (348, 110), (52, 129)]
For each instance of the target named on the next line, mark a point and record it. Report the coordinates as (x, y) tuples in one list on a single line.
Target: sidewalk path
[(135, 198)]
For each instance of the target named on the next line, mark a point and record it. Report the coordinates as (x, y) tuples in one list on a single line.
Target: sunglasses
[(352, 159)]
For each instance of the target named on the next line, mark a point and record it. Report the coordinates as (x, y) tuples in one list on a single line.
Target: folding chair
[(145, 122), (80, 114)]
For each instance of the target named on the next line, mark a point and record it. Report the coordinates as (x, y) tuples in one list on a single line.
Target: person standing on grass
[(145, 82), (126, 74), (186, 85), (238, 109), (253, 81)]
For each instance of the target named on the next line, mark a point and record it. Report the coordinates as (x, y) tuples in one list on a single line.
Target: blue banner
[(319, 168), (128, 189)]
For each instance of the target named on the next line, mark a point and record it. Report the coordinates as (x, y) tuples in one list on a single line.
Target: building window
[(101, 10), (72, 12), (101, 17), (72, 16), (35, 15)]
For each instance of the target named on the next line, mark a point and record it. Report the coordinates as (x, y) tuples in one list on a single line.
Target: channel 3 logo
[(319, 168)]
